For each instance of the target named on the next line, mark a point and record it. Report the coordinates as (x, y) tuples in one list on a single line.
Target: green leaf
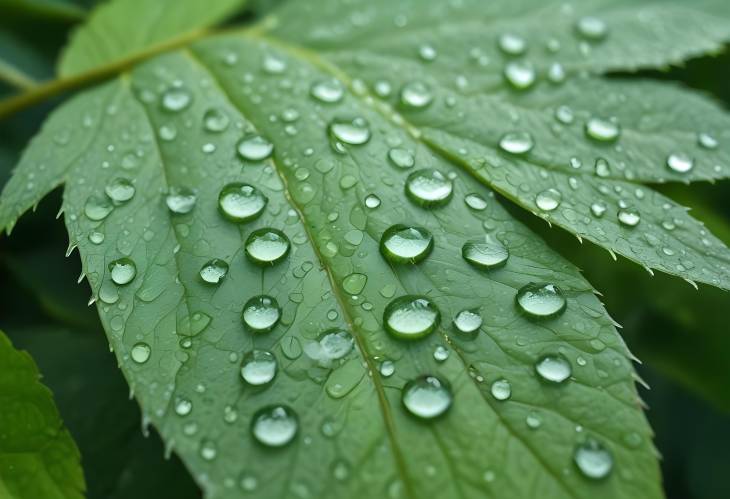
[(124, 29), (38, 457), (177, 122)]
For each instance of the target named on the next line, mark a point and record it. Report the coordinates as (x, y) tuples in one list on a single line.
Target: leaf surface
[(38, 457)]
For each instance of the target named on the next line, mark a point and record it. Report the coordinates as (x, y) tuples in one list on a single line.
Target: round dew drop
[(267, 246), (485, 254), (214, 271), (540, 300), (254, 148), (241, 202), (415, 95), (549, 199), (120, 190), (520, 75), (629, 217), (516, 142), (176, 99), (123, 271), (97, 208), (475, 202), (261, 313), (591, 28), (354, 132), (501, 389), (141, 353), (406, 244), (215, 120), (553, 368), (512, 44), (427, 397), (429, 188), (328, 91), (411, 317), (180, 200), (680, 163), (372, 201), (602, 130), (593, 460), (258, 367), (468, 321), (275, 425), (402, 158)]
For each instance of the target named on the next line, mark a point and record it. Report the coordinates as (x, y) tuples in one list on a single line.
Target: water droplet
[(354, 132), (120, 190), (183, 406), (258, 367), (411, 317), (141, 353), (602, 168), (215, 120), (241, 202), (556, 73), (564, 115), (427, 397), (440, 354), (429, 188), (593, 459), (328, 91), (273, 64), (516, 142), (553, 368), (387, 368), (501, 389), (402, 158), (372, 201), (406, 244), (208, 450), (254, 148), (475, 202), (122, 271), (512, 44), (591, 28), (261, 313), (415, 95), (520, 74), (485, 254), (680, 162), (533, 420), (630, 217), (602, 130), (96, 237), (180, 200), (707, 141), (427, 53), (275, 425), (214, 271), (97, 208), (549, 199), (598, 209), (267, 246), (176, 99), (354, 283), (468, 321), (541, 300)]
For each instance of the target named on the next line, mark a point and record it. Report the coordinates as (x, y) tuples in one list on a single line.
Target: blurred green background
[(680, 334)]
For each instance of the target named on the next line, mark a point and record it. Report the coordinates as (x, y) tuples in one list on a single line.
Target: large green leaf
[(38, 457), (180, 341)]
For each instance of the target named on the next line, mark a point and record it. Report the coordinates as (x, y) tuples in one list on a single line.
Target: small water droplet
[(591, 28), (275, 425), (440, 354), (183, 406), (273, 64), (516, 142), (122, 271), (176, 99), (402, 158), (267, 246), (406, 244), (468, 321), (630, 217), (512, 44), (598, 209), (707, 141), (354, 132), (215, 120), (387, 368), (487, 253), (553, 368), (429, 188), (329, 91), (593, 459), (214, 271), (96, 237), (501, 389), (602, 130), (520, 74), (533, 420), (180, 200), (261, 313), (475, 202), (141, 353), (97, 208), (120, 190), (541, 300), (354, 283), (427, 397), (549, 199), (680, 162), (241, 202), (411, 317), (258, 367), (415, 95), (254, 148)]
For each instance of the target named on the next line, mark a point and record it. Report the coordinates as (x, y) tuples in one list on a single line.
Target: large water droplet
[(328, 91), (630, 217), (411, 317), (680, 162), (241, 202), (141, 352), (415, 95), (468, 321), (254, 148), (593, 459), (427, 397), (602, 130), (258, 367), (275, 425), (120, 190), (541, 300), (97, 208), (549, 199), (520, 74), (122, 271), (261, 313), (429, 188), (553, 368), (485, 254), (215, 120), (176, 99), (516, 142), (267, 246), (180, 200), (214, 271), (406, 244), (501, 389)]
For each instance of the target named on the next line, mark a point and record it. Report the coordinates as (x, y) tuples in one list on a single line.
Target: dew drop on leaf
[(387, 368), (468, 321), (533, 420), (553, 368), (629, 217), (258, 367), (602, 130), (354, 132), (593, 459), (512, 44), (406, 244), (215, 120), (591, 28), (267, 246), (372, 201), (183, 406), (475, 202), (354, 283), (520, 74), (180, 200), (487, 253), (516, 142), (254, 148), (541, 300), (402, 158), (261, 313), (501, 389), (141, 353), (440, 353), (707, 141), (427, 397), (123, 271), (329, 91), (564, 115), (333, 344), (120, 190), (598, 209), (549, 199), (429, 188), (214, 271), (415, 95), (176, 99), (241, 202), (680, 162), (97, 208), (208, 450), (96, 237), (411, 317), (274, 425)]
